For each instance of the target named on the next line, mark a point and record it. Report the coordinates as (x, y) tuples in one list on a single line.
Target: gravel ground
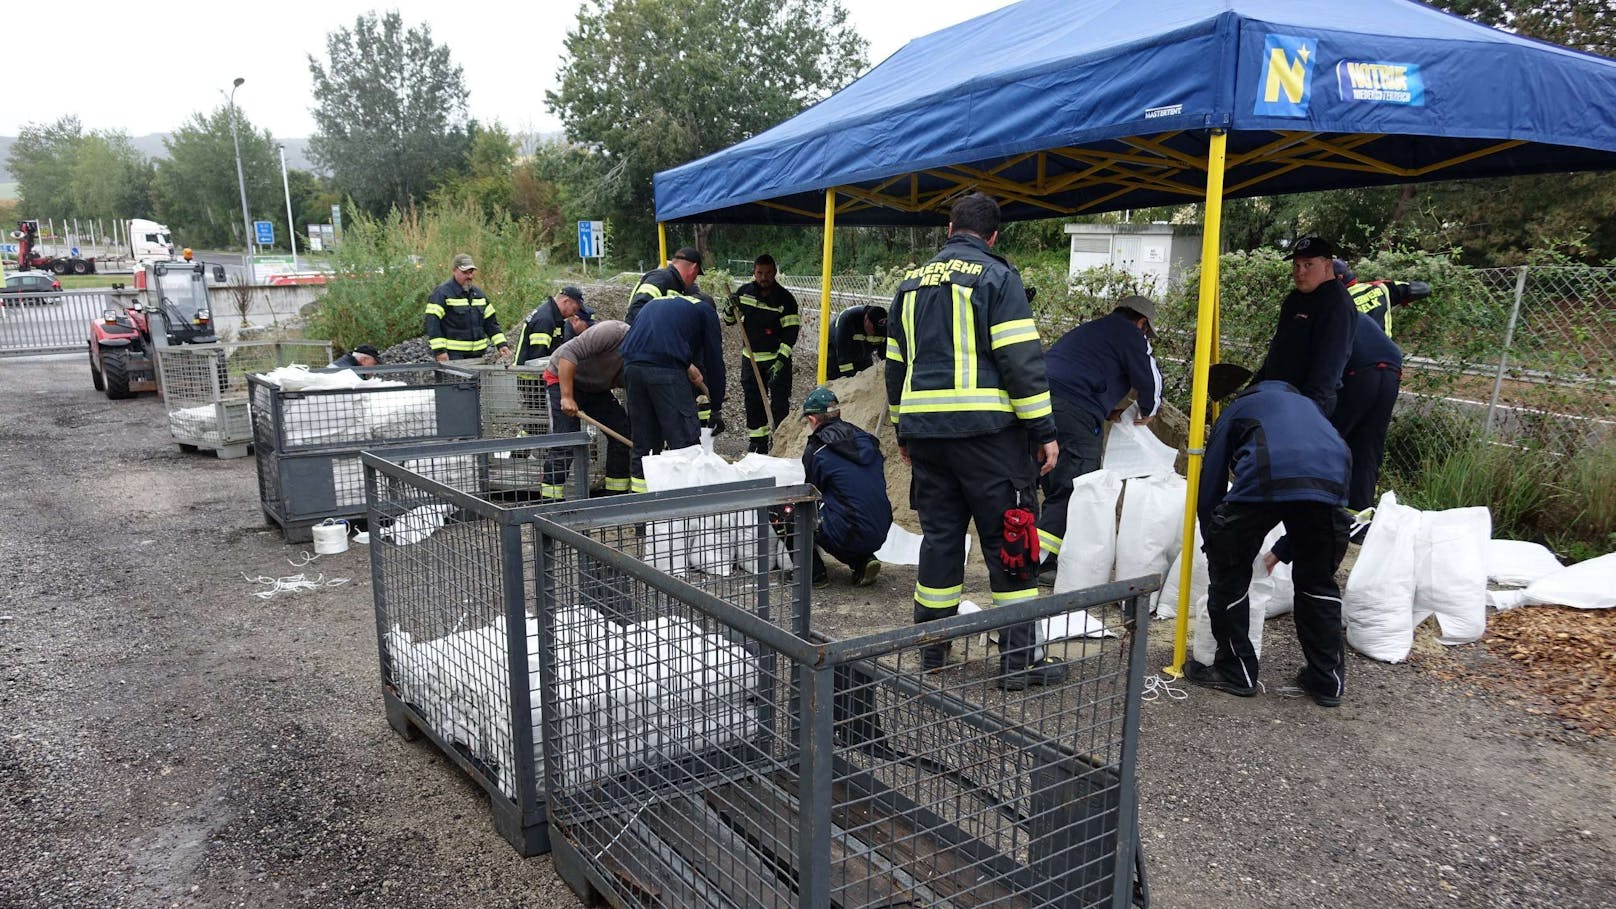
[(167, 739)]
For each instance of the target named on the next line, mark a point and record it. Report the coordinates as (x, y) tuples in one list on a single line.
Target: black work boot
[(866, 571), (1210, 677), (934, 656), (1048, 671)]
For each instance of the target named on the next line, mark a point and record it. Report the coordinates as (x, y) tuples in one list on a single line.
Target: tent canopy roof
[(1063, 107)]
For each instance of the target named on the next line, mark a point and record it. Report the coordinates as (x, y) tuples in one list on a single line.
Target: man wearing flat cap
[(1317, 322), (676, 279), (460, 319)]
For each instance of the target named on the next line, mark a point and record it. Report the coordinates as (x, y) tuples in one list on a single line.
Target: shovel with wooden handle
[(606, 429), (757, 375)]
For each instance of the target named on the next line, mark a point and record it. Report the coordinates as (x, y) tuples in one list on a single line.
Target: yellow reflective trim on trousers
[(894, 352), (637, 484), (1033, 406), (964, 337), (433, 309), (553, 491), (938, 597), (1049, 542), (762, 432), (457, 344), (617, 484), (1014, 332), (1006, 597)]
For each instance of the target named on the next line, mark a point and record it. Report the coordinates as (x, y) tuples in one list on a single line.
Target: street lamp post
[(286, 187), (241, 181)]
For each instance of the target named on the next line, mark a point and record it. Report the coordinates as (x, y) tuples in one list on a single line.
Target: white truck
[(149, 242)]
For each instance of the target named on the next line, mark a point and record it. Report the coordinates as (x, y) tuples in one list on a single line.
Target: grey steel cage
[(205, 388), (701, 750), (452, 561), (307, 443), (514, 404)]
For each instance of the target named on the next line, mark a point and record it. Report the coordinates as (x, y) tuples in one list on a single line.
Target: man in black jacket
[(1288, 464), (361, 355), (768, 315), (845, 464), (461, 322), (677, 278), (1316, 324), (857, 337), (967, 392)]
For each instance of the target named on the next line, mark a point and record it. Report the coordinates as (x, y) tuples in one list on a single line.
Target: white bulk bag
[(1378, 602), (1273, 592), (1519, 563), (1090, 545), (1167, 597), (1151, 525), (1134, 451), (1585, 585), (1450, 572), (1204, 647)]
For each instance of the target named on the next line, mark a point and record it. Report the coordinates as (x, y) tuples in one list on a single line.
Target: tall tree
[(390, 112), (654, 84), (65, 172), (42, 160), (197, 193)]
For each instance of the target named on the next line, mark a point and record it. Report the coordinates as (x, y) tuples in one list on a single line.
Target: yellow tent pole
[(662, 244), (1206, 315), (824, 281)]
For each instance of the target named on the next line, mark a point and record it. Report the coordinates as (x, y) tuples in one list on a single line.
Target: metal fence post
[(1503, 355)]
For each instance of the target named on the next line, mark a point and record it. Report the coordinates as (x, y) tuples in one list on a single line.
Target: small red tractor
[(123, 344)]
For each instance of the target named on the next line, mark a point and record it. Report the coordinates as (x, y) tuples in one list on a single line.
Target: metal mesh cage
[(703, 746), (514, 404), (456, 606), (205, 386)]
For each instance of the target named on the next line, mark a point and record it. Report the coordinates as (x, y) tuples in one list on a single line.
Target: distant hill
[(151, 145)]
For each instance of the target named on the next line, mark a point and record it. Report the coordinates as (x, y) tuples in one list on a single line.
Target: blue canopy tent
[(1062, 107)]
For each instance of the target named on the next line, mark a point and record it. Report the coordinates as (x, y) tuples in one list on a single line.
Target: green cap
[(819, 400)]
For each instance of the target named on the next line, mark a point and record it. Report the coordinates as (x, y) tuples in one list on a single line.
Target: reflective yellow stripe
[(539, 339), (907, 325), (762, 432), (846, 369), (637, 484), (1014, 332), (456, 344), (553, 491), (964, 338), (433, 309), (894, 352), (1005, 598), (760, 356), (439, 343), (785, 351), (946, 399), (938, 597), (789, 321), (892, 413), (1033, 407), (1049, 542), (498, 340), (617, 484)]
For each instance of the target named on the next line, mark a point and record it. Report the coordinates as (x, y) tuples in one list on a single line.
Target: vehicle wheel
[(59, 267), (81, 267), (95, 374), (115, 372)]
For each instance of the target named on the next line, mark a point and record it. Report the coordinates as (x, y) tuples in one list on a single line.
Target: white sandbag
[(1519, 563), (1505, 600), (1151, 525), (1450, 572), (1378, 602), (784, 471), (1090, 545), (1167, 597), (1273, 592), (1585, 585), (1075, 624), (1134, 451), (416, 524), (401, 413), (903, 547)]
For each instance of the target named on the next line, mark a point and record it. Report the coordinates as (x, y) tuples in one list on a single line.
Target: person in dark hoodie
[(1288, 464), (845, 464), (1317, 321)]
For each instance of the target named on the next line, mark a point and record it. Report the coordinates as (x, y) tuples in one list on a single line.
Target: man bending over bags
[(1289, 465)]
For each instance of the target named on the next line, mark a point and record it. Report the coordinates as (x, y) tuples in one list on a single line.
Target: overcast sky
[(509, 52)]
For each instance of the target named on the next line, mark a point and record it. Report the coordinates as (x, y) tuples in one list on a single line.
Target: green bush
[(388, 266)]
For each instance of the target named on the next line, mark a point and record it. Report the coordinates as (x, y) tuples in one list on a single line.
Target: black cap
[(571, 290), (1312, 248), (878, 317), (689, 254), (367, 349)]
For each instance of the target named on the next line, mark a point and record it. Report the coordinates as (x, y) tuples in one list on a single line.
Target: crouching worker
[(361, 355), (1289, 465), (586, 369), (845, 464)]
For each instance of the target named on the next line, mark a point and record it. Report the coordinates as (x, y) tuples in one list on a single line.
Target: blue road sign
[(265, 231), (591, 239)]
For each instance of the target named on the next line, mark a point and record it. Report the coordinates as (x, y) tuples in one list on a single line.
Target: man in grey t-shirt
[(585, 370)]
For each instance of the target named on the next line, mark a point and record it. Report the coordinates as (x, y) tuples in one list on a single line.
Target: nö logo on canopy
[(1287, 76)]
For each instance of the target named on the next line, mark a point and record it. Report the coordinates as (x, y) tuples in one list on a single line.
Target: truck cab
[(149, 242)]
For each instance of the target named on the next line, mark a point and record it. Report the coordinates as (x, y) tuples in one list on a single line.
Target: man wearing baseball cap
[(1317, 322), (845, 464), (673, 280), (460, 319), (361, 355)]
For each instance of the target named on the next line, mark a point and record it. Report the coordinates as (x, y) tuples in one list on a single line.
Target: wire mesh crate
[(708, 750), (514, 404), (457, 608), (307, 443), (205, 388)]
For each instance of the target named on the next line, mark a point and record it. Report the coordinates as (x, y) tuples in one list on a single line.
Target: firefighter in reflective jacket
[(556, 321), (967, 393), (858, 335), (460, 320), (672, 280), (1376, 298), (768, 314)]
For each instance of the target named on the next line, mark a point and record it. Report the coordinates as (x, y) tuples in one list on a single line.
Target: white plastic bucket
[(331, 537)]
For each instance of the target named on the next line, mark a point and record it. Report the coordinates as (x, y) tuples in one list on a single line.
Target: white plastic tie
[(1157, 687)]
